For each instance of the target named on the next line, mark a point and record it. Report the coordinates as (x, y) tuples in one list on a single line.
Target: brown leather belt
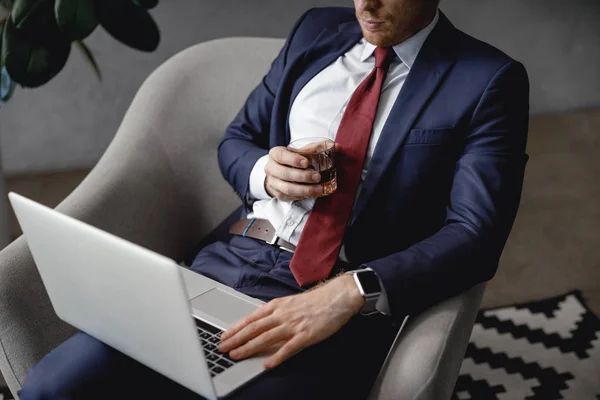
[(260, 229)]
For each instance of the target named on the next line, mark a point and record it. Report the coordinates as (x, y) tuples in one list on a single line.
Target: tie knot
[(382, 56)]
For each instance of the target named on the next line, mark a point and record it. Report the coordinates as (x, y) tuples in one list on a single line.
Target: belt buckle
[(274, 242)]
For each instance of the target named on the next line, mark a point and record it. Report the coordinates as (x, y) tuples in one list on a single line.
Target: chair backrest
[(206, 86)]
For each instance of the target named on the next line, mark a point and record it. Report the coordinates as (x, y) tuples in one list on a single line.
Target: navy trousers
[(343, 366)]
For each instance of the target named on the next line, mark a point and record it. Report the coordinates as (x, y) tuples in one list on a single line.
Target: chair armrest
[(426, 357)]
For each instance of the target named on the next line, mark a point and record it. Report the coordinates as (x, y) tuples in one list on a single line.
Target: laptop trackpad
[(222, 305)]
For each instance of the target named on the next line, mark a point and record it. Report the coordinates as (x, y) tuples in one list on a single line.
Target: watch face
[(369, 282)]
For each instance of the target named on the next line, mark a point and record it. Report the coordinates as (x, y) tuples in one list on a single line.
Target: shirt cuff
[(257, 179), (382, 302)]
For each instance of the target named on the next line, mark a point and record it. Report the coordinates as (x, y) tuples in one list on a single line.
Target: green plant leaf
[(25, 10), (89, 57), (7, 86), (2, 24), (76, 18), (5, 8), (6, 4), (147, 4), (33, 61), (128, 23)]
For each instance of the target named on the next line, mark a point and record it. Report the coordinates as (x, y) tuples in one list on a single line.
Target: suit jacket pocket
[(429, 137)]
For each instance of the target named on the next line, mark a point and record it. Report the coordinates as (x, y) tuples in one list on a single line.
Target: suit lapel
[(328, 46), (430, 67)]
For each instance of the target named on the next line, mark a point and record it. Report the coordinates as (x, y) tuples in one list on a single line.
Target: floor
[(48, 189), (554, 245)]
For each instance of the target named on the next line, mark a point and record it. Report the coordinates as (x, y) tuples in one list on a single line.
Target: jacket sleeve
[(246, 139), (483, 203)]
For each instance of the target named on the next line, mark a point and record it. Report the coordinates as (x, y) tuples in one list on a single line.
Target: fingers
[(259, 313), (285, 157), (287, 178), (288, 174), (297, 343), (262, 342), (287, 191), (248, 333)]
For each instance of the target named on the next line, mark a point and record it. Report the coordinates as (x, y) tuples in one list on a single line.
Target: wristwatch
[(369, 287)]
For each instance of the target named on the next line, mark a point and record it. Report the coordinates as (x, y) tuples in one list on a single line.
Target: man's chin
[(377, 39)]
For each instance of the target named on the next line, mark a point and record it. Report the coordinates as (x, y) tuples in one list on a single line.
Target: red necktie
[(322, 236)]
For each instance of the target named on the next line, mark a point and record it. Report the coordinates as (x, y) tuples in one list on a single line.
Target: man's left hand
[(295, 322)]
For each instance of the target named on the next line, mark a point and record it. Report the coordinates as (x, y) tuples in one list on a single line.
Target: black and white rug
[(544, 350)]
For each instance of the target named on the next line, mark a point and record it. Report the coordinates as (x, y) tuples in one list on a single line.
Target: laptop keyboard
[(210, 338)]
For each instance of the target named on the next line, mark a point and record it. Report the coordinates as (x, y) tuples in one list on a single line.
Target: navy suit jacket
[(444, 184)]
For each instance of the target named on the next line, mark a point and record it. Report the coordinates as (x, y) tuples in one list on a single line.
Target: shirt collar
[(408, 50)]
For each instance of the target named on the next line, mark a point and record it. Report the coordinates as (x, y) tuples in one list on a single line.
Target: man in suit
[(431, 128)]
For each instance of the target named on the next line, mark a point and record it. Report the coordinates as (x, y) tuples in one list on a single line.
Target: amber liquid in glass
[(324, 164)]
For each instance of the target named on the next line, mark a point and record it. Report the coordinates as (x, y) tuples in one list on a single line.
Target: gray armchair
[(158, 185)]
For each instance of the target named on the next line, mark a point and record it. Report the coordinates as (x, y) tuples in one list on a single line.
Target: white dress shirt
[(318, 110)]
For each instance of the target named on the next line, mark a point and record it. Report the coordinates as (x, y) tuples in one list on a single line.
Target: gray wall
[(68, 123)]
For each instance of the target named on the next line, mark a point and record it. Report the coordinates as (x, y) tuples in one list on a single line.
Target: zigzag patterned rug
[(541, 350)]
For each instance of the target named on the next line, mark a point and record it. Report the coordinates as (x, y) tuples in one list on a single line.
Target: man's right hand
[(287, 177)]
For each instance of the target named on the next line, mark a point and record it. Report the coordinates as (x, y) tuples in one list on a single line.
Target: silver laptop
[(137, 301)]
